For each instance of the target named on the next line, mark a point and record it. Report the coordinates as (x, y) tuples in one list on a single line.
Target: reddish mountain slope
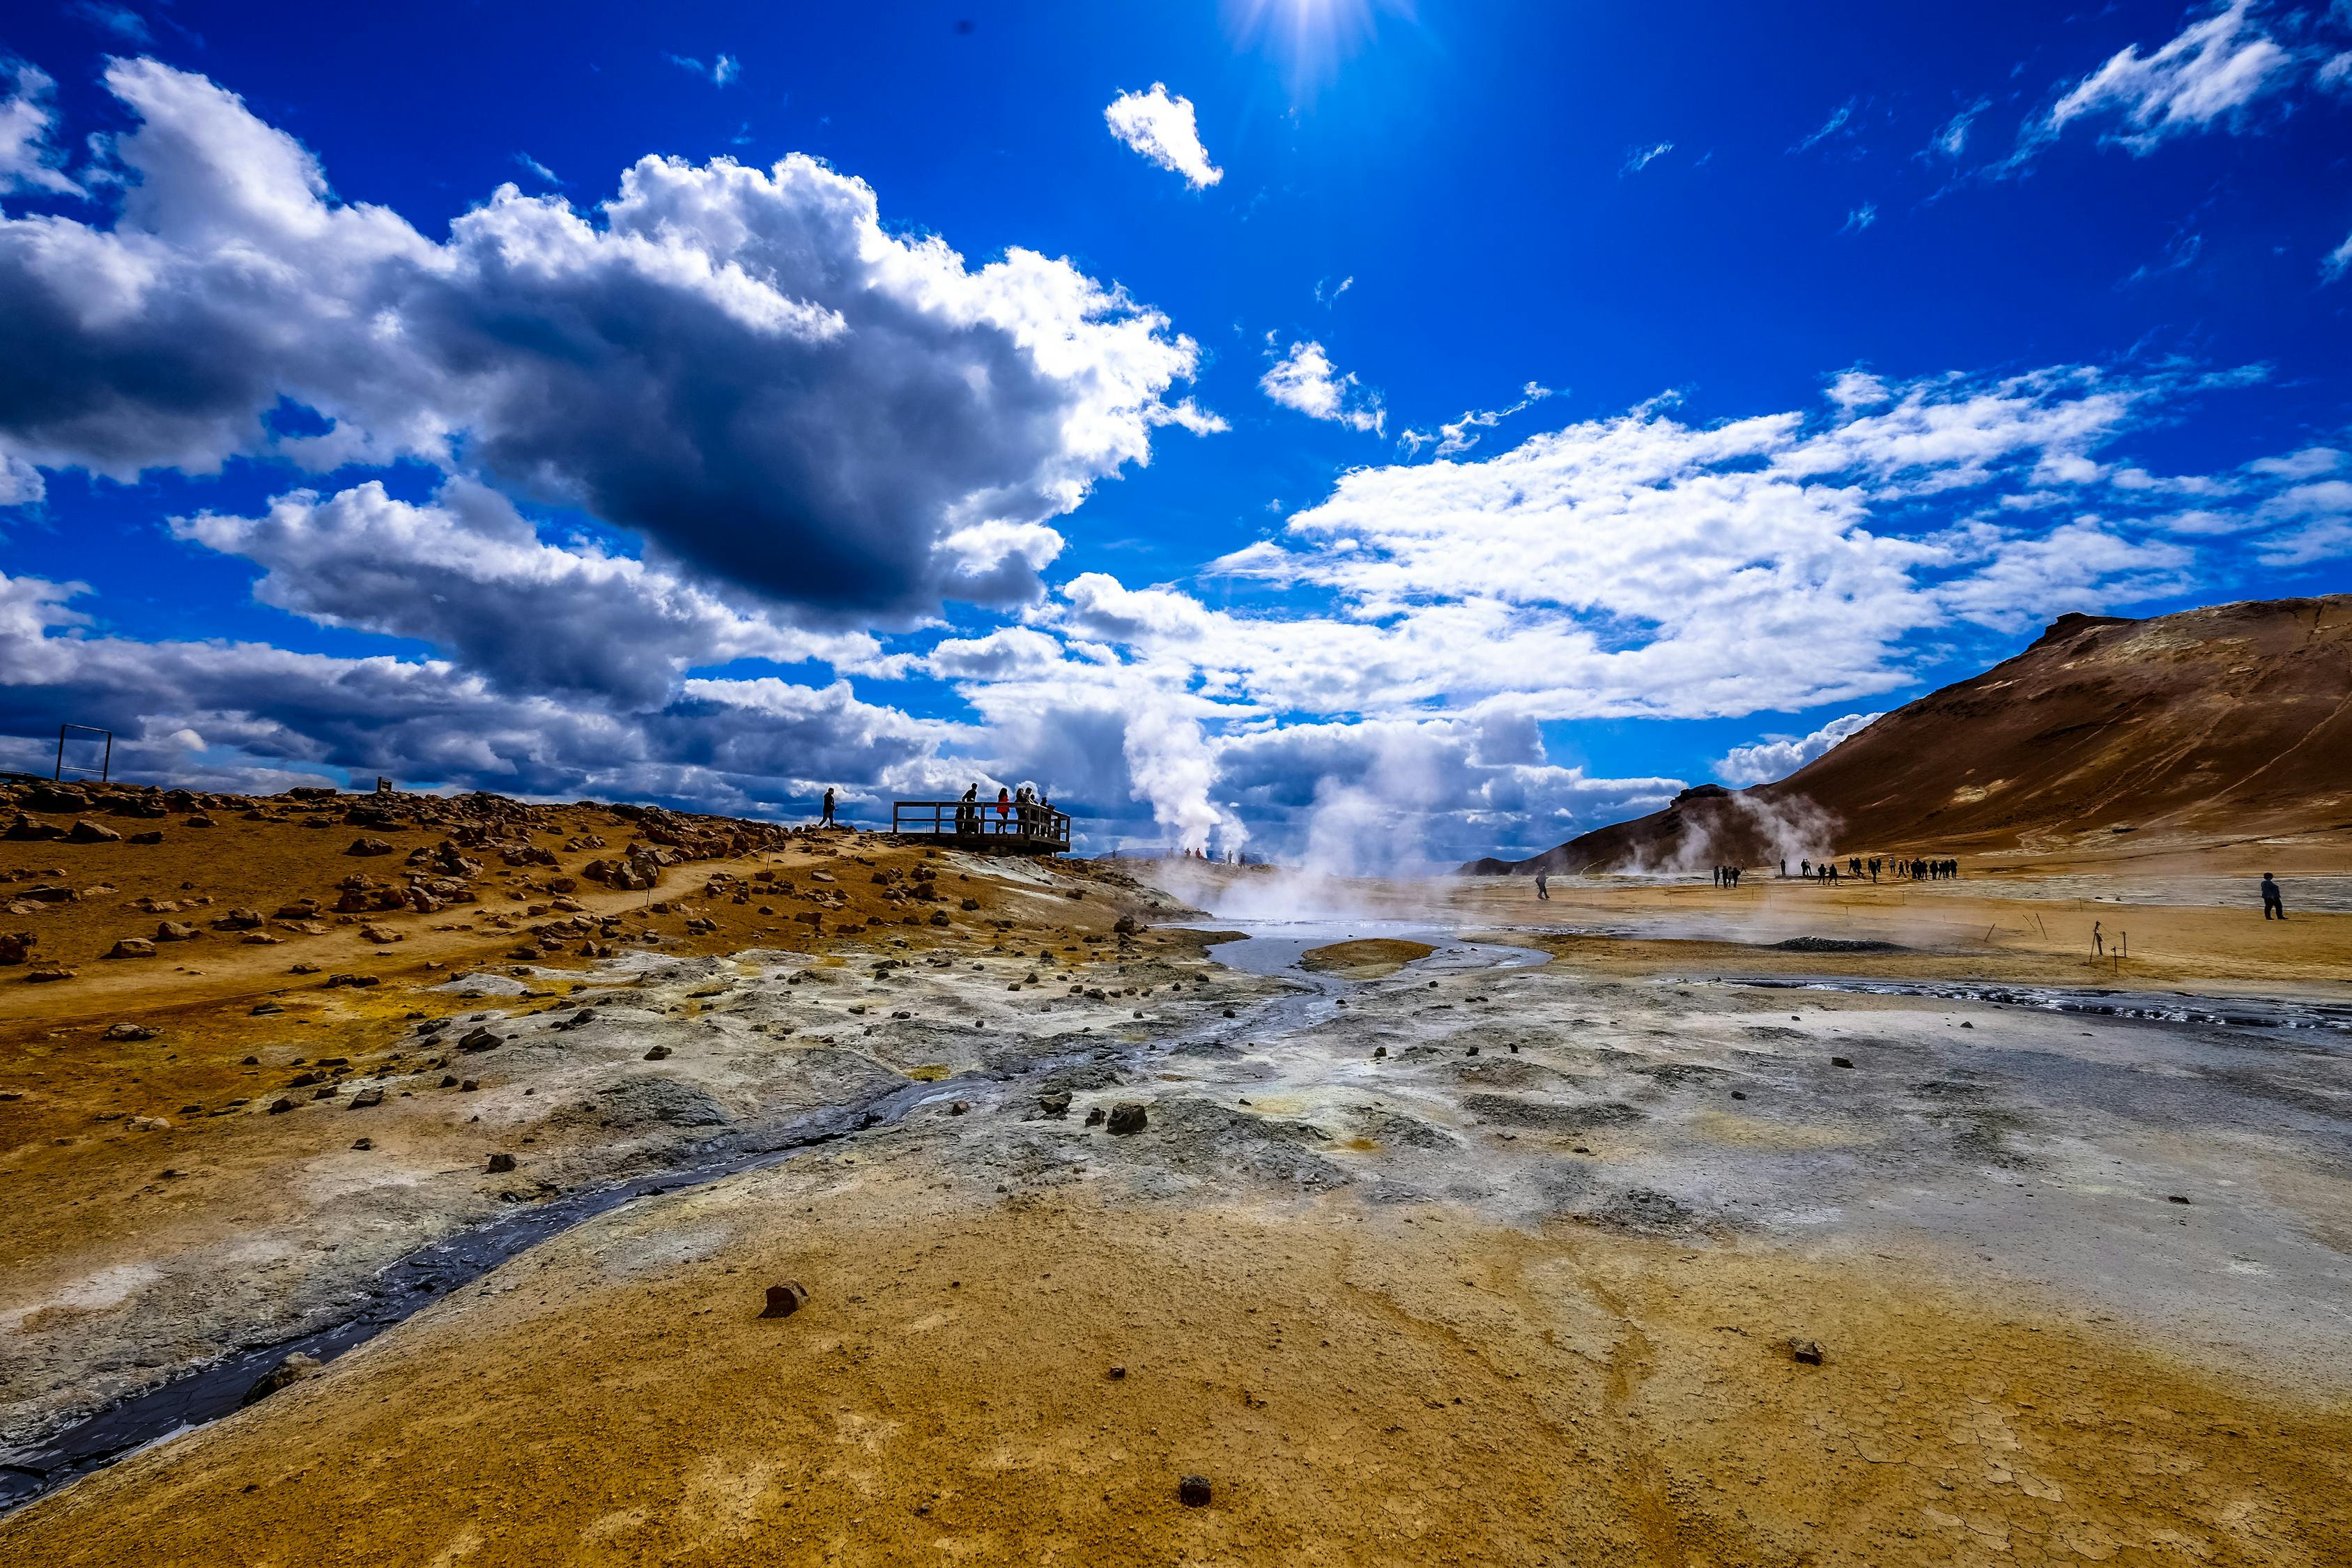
[(2186, 730)]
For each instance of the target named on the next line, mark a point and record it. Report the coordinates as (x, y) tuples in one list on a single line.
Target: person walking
[(2098, 941), (1543, 885), (827, 821), (2274, 902)]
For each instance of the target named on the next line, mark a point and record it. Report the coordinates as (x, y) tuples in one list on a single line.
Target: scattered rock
[(1056, 1104), (173, 931), (280, 1106), (1127, 926), (47, 972), (1117, 1374), (285, 1374), (1095, 1117), (368, 847), (1378, 1051), (2175, 1198), (264, 1009), (130, 1032), (500, 1164), (239, 920), (380, 935), (259, 939), (1806, 1351), (363, 1144), (367, 1097), (338, 982), (969, 904), (959, 1108), (784, 1299), (132, 947), (88, 832), (151, 836), (1193, 1491), (657, 1054), (1840, 1062), (478, 1040), (1128, 1116)]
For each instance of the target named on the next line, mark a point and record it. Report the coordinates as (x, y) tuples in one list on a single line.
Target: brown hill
[(2184, 732)]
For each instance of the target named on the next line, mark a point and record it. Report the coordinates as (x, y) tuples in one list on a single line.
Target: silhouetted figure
[(2098, 941), (828, 808), (2274, 902), (1543, 885), (1804, 868), (1874, 869), (967, 810)]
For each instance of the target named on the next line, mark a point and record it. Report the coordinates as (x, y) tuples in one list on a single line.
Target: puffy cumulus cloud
[(27, 162), (1778, 756), (470, 575), (1303, 379), (740, 365), (2212, 70), (1164, 129)]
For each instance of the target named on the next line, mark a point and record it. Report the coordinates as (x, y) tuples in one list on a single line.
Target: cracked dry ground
[(1534, 1303)]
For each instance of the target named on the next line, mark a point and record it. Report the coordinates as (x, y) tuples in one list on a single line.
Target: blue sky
[(1316, 424)]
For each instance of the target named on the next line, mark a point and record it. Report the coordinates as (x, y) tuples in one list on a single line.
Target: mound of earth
[(1366, 959), (2105, 735)]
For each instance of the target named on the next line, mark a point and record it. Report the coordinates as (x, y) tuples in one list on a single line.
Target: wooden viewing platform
[(979, 825)]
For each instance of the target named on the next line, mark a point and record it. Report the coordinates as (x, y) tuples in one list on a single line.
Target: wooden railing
[(983, 823)]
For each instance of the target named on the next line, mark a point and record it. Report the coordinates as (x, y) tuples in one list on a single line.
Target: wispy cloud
[(2210, 73), (1952, 139), (2338, 260), (1327, 293), (1164, 129), (120, 20), (537, 168), (1839, 118), (1860, 218), (1640, 158), (1462, 434), (722, 70)]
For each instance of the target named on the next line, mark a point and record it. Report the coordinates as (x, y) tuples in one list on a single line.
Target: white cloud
[(1462, 434), (1303, 379), (1327, 293), (1952, 139), (27, 162), (1640, 158), (1163, 129), (539, 169), (1837, 122), (1860, 218), (2211, 71), (2337, 260), (740, 366), (1778, 756), (721, 70)]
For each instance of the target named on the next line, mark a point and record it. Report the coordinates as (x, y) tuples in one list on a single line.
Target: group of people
[(1856, 867), (1727, 875), (1024, 805)]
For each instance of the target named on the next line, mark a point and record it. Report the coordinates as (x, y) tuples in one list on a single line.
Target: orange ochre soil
[(986, 1379)]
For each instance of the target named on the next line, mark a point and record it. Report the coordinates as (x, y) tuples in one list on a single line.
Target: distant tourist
[(2273, 902), (2098, 941), (1543, 881), (828, 808)]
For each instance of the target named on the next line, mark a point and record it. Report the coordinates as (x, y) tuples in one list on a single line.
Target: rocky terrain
[(1653, 1225), (2184, 739)]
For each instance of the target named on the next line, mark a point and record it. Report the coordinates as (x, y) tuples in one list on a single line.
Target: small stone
[(367, 1097), (1736, 1095), (1378, 1051), (448, 1080), (173, 931), (959, 1108), (500, 1164), (1117, 1374), (1056, 1104), (2174, 1198), (1474, 1050), (88, 832), (285, 1374), (368, 847), (784, 1299), (659, 1054), (1193, 1491), (1840, 1062), (1128, 1116), (130, 1032), (263, 1009), (363, 1144), (1127, 926), (478, 1040), (132, 947), (1095, 1117), (1965, 1025), (1806, 1351), (280, 1106), (469, 1087)]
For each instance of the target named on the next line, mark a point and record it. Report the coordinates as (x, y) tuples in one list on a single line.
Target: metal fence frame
[(106, 763), (982, 823)]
